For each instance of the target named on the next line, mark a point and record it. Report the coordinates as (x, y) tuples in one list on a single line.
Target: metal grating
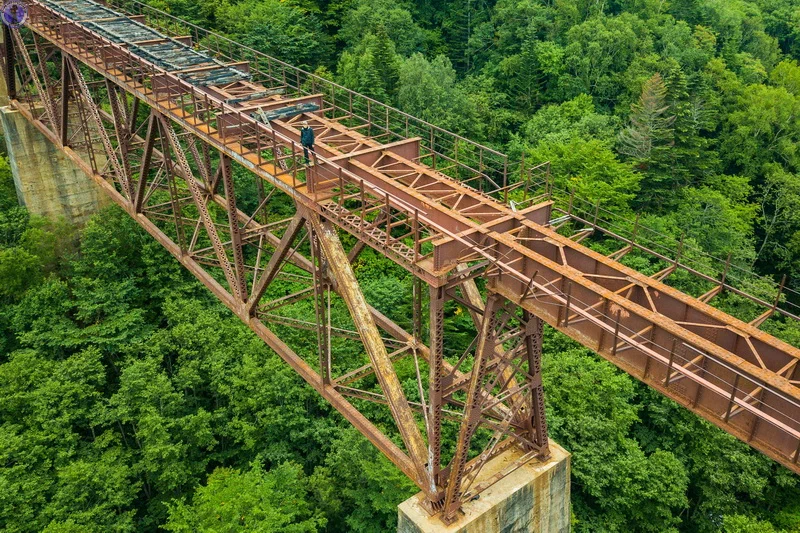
[(161, 50)]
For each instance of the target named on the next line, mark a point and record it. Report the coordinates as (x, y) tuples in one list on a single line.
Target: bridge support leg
[(46, 180), (535, 498)]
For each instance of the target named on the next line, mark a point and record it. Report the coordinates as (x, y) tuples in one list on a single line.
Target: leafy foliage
[(133, 401)]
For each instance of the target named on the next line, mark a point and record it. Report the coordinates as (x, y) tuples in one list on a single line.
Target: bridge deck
[(726, 370)]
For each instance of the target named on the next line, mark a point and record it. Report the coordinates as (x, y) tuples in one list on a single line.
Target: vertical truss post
[(350, 292), (263, 211), (65, 86), (416, 298), (147, 157), (120, 122), (177, 215), (131, 125), (322, 315), (435, 386), (537, 423)]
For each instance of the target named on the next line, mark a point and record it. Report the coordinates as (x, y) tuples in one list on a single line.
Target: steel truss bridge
[(163, 115)]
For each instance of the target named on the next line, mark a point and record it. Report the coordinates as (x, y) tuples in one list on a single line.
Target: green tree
[(368, 483), (650, 135), (719, 224), (619, 486), (763, 127), (252, 501), (787, 75), (280, 29), (428, 90), (531, 75), (570, 120), (592, 170), (598, 51), (779, 219), (745, 524), (693, 157), (372, 68), (369, 16)]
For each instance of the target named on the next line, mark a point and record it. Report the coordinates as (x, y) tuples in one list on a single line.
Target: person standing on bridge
[(307, 139)]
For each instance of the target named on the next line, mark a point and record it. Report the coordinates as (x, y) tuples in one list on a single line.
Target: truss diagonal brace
[(472, 409), (202, 207), (240, 290), (473, 296), (373, 344), (44, 94), (273, 266), (94, 112)]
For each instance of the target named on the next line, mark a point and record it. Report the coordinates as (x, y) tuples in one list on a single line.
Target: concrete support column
[(533, 499), (47, 181)]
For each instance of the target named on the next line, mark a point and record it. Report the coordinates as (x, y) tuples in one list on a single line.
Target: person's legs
[(305, 153)]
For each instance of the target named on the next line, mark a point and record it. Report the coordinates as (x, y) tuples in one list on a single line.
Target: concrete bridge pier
[(533, 499), (46, 180)]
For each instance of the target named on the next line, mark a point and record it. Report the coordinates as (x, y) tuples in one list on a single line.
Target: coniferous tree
[(691, 101), (650, 137), (386, 60)]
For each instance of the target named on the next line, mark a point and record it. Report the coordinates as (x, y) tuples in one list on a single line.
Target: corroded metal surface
[(184, 122)]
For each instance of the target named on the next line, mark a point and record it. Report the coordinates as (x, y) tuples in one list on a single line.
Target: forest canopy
[(133, 401)]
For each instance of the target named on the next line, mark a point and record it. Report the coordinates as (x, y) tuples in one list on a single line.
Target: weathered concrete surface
[(47, 182), (534, 498), (3, 88)]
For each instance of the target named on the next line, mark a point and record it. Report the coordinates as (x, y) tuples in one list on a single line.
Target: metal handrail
[(298, 77)]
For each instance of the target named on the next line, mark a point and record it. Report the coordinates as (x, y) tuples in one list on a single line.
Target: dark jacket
[(307, 136)]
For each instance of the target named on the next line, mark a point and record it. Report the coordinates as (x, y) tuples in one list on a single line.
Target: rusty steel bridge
[(163, 114)]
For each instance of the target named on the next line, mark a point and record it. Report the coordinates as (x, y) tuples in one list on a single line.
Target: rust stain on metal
[(370, 182)]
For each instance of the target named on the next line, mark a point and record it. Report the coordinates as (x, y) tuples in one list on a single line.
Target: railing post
[(294, 165), (363, 206), (725, 272), (415, 229), (679, 252), (732, 398), (671, 361), (388, 221), (596, 213), (258, 143), (571, 201), (433, 148), (341, 187), (505, 180)]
